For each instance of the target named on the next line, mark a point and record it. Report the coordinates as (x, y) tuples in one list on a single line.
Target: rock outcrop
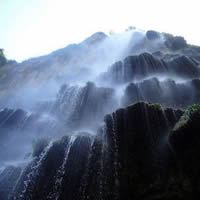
[(134, 149), (146, 148), (165, 92), (185, 143), (77, 106), (8, 179), (145, 65)]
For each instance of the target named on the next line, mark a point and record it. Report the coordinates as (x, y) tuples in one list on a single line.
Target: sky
[(30, 28)]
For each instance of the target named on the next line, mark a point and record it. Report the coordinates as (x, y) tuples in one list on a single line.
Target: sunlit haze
[(36, 27)]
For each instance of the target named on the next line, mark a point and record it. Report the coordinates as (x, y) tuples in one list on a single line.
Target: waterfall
[(68, 97), (116, 157), (61, 171), (84, 181), (167, 92), (24, 121), (34, 173), (127, 157), (7, 117), (76, 105)]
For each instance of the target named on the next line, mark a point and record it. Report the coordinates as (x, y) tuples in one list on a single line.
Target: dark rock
[(185, 142), (175, 42), (77, 106), (152, 35), (184, 67), (11, 118), (139, 135), (166, 92), (3, 59), (57, 172), (8, 179), (145, 65), (158, 54), (132, 157), (39, 146), (40, 174), (135, 67)]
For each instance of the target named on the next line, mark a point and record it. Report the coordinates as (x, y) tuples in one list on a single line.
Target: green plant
[(189, 112), (156, 106), (3, 59)]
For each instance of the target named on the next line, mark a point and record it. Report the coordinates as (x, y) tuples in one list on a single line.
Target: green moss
[(188, 114), (3, 59), (2, 52), (156, 106), (193, 109)]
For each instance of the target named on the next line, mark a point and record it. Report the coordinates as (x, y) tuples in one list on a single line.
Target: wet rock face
[(11, 118), (184, 67), (166, 92), (185, 142), (58, 173), (146, 65), (139, 152), (142, 152), (131, 151), (21, 121), (77, 106), (19, 128), (152, 35), (140, 134), (11, 122), (175, 42), (8, 179), (135, 67), (185, 134)]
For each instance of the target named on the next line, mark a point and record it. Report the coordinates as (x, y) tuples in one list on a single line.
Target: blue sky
[(31, 28)]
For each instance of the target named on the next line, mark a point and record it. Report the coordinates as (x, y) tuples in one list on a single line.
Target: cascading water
[(29, 183), (116, 157), (23, 123), (129, 157), (61, 171), (68, 97)]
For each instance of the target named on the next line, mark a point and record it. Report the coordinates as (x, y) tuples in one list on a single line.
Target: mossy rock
[(188, 115), (3, 59), (185, 143)]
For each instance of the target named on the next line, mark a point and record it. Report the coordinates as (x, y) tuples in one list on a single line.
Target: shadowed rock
[(174, 42), (145, 65), (128, 159), (77, 106), (185, 142), (152, 35), (8, 179), (166, 92)]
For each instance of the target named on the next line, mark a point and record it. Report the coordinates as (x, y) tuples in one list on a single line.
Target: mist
[(75, 91)]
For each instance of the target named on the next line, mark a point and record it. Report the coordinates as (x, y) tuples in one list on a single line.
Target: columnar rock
[(77, 106), (166, 92), (145, 65), (129, 158)]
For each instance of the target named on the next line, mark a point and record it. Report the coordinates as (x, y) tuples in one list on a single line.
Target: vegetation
[(3, 59), (188, 114), (156, 106)]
